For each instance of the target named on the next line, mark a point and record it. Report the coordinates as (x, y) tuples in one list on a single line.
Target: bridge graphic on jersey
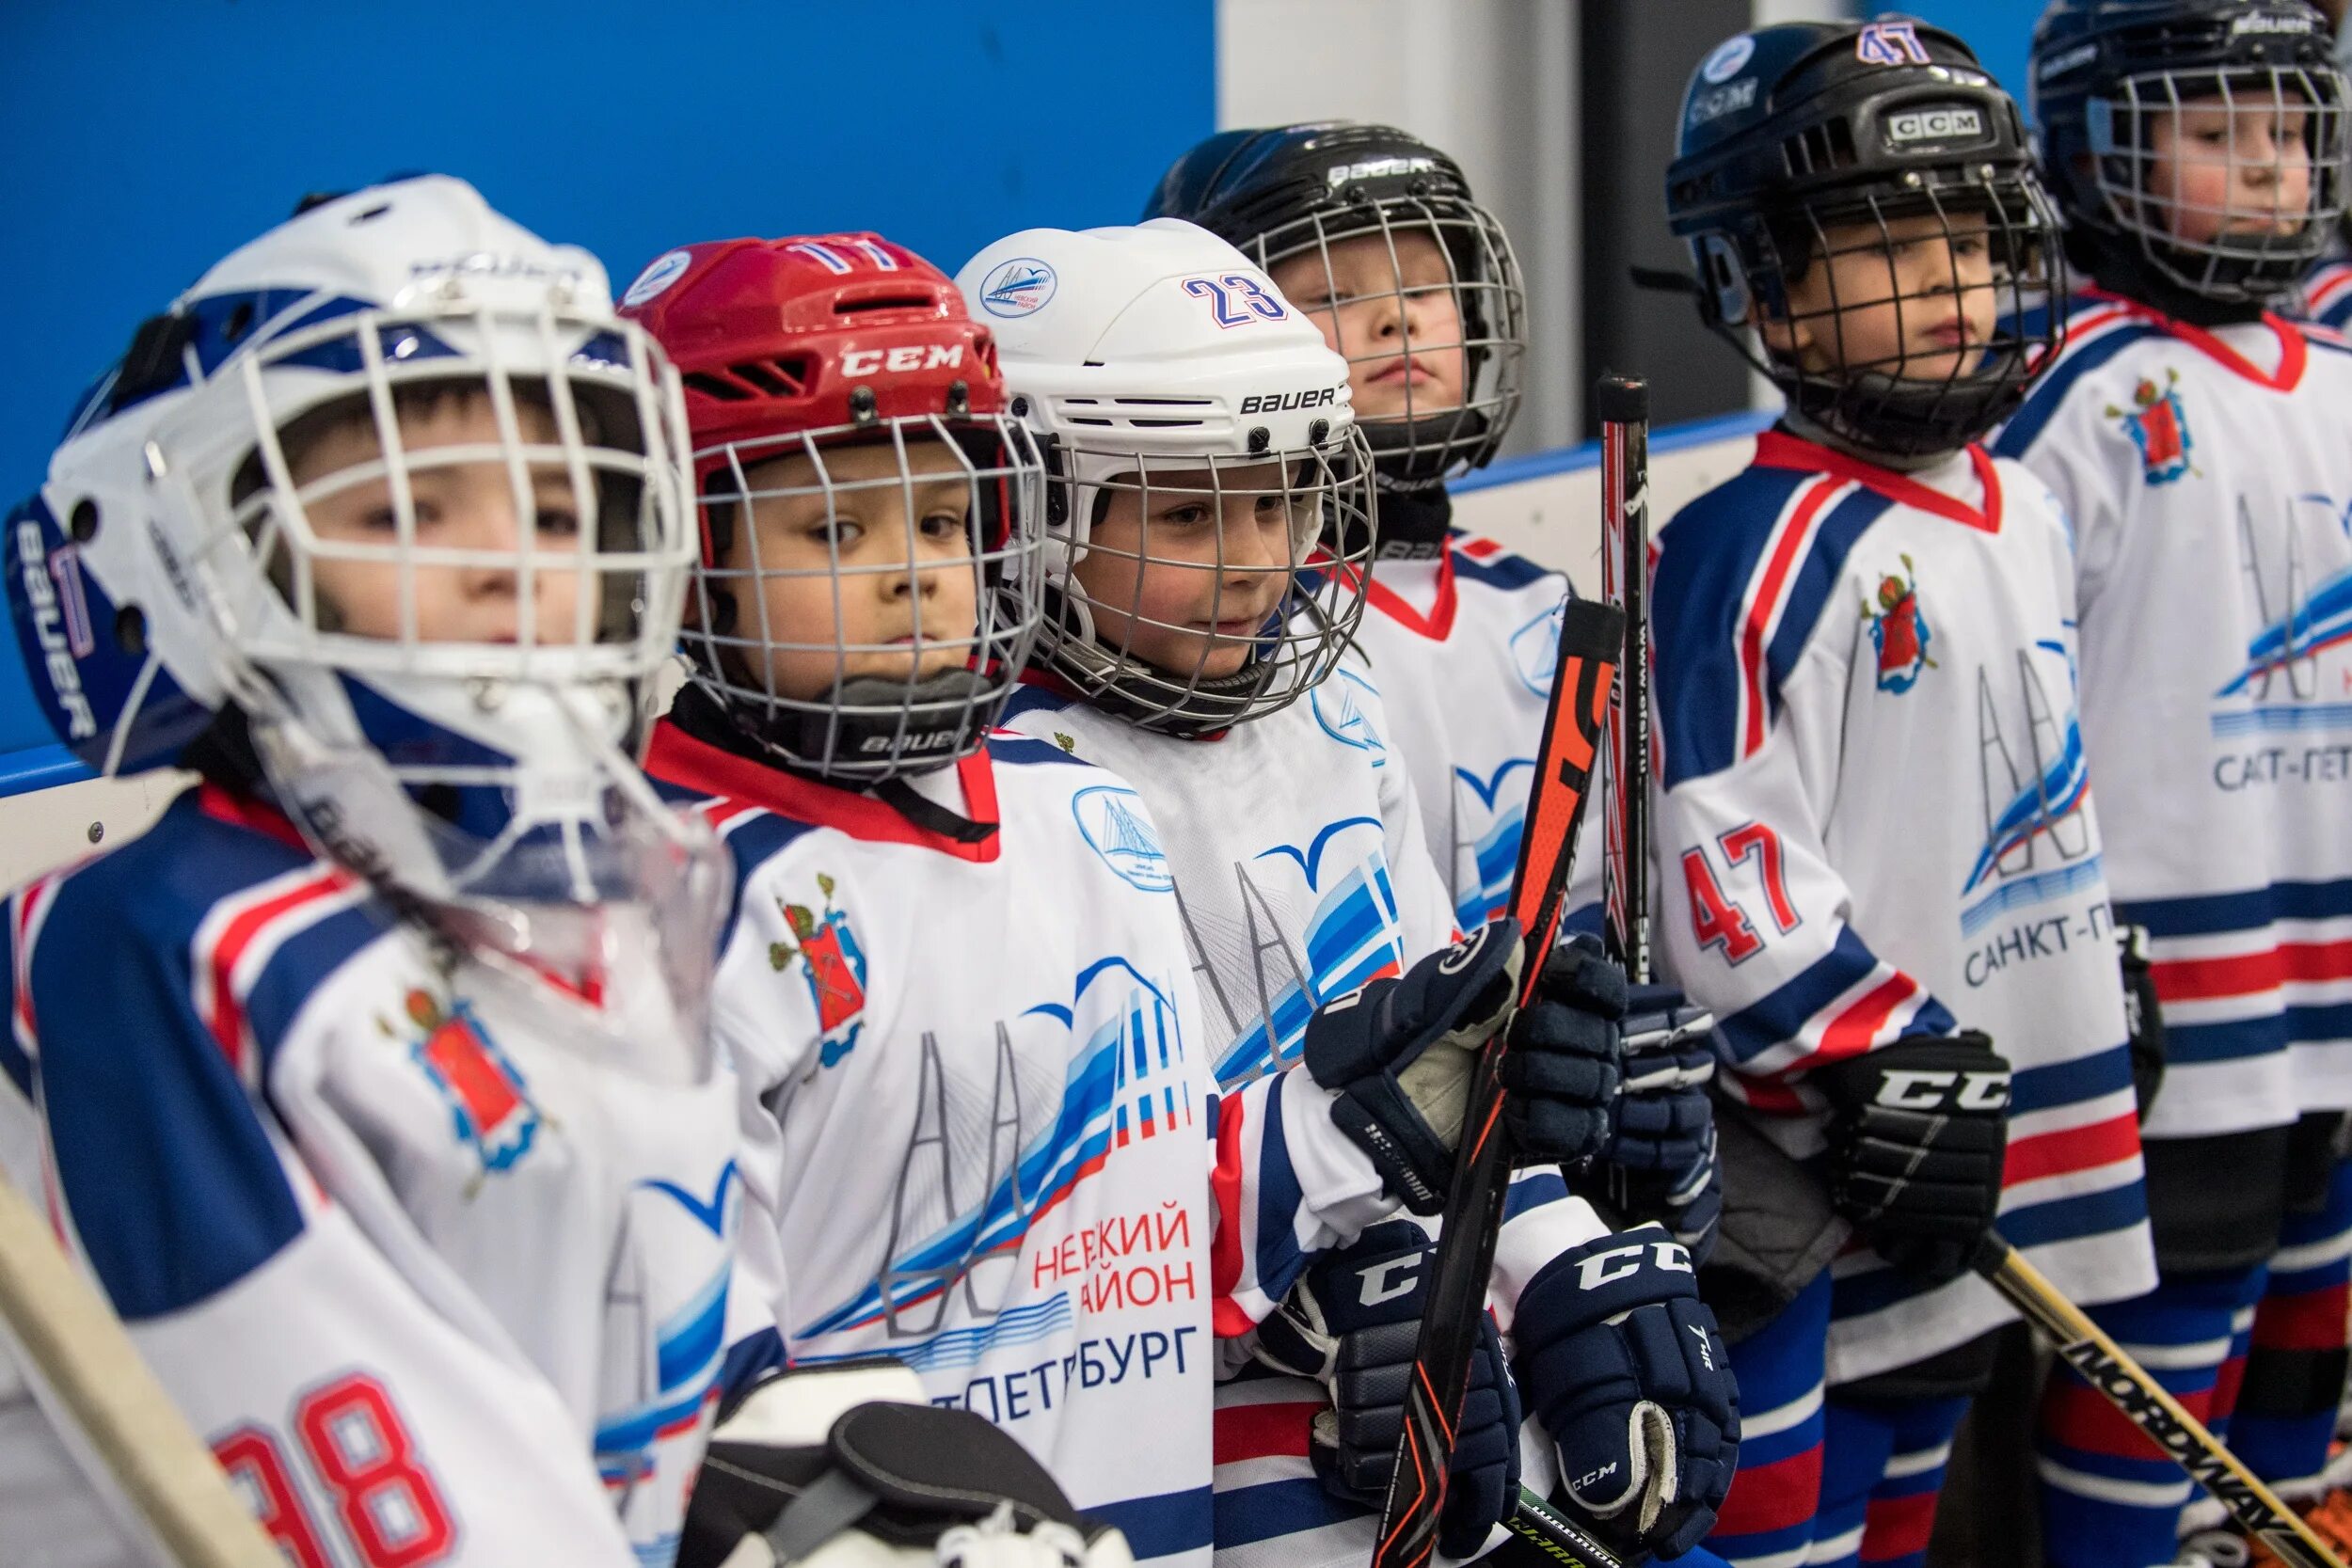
[(2037, 840), (1266, 974), (978, 1171), (2281, 675), (686, 1343)]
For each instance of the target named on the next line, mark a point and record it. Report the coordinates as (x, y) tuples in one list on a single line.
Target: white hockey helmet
[(1164, 373), (178, 562)]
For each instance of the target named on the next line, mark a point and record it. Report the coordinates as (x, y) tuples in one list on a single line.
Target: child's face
[(2217, 169), (857, 583), (1917, 302), (1397, 321), (1185, 579), (459, 506)]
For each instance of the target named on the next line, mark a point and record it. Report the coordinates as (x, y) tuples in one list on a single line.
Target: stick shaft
[(83, 1357), (2102, 1362), (1624, 403)]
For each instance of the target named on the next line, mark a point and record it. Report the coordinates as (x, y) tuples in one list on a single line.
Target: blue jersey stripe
[(2220, 913), (1708, 555), (1783, 1013), (2041, 1088), (1162, 1526), (1816, 579), (300, 966), (1248, 1514), (2043, 404)]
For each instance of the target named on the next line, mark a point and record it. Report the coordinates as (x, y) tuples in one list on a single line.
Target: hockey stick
[(2102, 1362), (1592, 635), (1623, 404), (80, 1355)]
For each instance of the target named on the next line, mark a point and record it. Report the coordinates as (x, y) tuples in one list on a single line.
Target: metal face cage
[(1907, 322), (2201, 170), (869, 593), (1191, 594), (1405, 286)]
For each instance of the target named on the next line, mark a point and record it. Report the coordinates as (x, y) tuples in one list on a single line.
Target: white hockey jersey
[(1301, 873), (980, 1120), (1877, 823), (1464, 647), (2209, 477), (436, 1287)]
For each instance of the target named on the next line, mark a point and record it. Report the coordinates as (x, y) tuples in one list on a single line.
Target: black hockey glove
[(1352, 1322), (1398, 1054), (2144, 1015), (1660, 1163), (803, 1457), (1632, 1379), (1916, 1134)]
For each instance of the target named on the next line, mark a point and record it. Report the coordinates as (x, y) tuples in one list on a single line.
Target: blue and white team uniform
[(1463, 645), (1876, 824), (981, 1117), (2208, 471), (1301, 873), (435, 1286)]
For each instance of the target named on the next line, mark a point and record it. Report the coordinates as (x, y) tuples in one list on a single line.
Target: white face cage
[(2263, 241), (1427, 441), (1193, 594), (358, 569), (911, 630)]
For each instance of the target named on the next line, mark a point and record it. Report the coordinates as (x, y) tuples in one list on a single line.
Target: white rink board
[(1546, 506)]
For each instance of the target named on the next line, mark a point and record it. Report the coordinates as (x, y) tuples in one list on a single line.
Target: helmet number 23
[(1236, 299)]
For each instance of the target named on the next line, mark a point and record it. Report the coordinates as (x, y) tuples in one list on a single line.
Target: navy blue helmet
[(1861, 197), (1288, 196)]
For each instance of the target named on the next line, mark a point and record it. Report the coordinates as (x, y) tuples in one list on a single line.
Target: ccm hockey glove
[(1398, 1055), (1916, 1134), (1352, 1322), (1661, 1158), (1632, 1379)]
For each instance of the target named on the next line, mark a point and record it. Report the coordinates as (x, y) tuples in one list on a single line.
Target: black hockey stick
[(1592, 635), (1622, 404), (2103, 1364)]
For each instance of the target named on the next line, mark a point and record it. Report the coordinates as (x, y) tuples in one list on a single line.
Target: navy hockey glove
[(1918, 1130), (2143, 1016), (1632, 1379), (1563, 1073), (1660, 1159), (1352, 1322)]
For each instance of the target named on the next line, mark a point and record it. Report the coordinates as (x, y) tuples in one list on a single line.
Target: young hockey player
[(1200, 438), (1375, 237), (1878, 859), (370, 1082), (2202, 447), (1015, 1174)]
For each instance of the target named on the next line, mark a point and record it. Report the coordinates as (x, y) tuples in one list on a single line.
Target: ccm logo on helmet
[(1912, 1090), (909, 357), (1949, 123), (1282, 402), (61, 620)]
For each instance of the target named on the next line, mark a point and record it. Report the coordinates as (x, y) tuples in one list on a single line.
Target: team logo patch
[(1900, 630), (490, 1106), (1112, 821), (2159, 428), (832, 963), (663, 271), (1339, 713), (1020, 287), (1730, 55)]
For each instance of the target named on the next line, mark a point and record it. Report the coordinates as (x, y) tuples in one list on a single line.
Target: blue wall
[(142, 139)]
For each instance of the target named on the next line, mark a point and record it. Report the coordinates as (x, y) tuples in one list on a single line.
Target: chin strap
[(929, 814)]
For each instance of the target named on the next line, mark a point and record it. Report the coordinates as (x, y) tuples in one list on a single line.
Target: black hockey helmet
[(1802, 147), (2105, 72), (1295, 190)]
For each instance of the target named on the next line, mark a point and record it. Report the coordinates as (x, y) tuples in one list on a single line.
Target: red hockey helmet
[(800, 349)]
